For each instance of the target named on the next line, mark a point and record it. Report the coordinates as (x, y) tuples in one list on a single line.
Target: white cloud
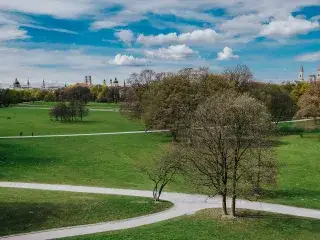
[(250, 23), (309, 57), (125, 60), (177, 52), (11, 32), (56, 8), (125, 36), (119, 20), (208, 36), (289, 27), (226, 54)]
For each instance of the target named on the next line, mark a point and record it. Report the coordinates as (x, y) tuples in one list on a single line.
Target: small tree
[(162, 172), (82, 110), (61, 111)]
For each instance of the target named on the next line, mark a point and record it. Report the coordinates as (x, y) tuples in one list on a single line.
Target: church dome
[(16, 83)]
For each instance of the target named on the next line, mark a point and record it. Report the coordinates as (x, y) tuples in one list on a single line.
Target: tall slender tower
[(90, 81), (301, 74), (43, 84), (28, 83), (318, 73)]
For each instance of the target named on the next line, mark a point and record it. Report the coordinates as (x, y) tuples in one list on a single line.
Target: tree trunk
[(234, 190), (233, 207), (224, 204)]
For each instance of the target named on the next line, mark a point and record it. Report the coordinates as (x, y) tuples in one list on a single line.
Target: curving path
[(184, 204), (84, 134)]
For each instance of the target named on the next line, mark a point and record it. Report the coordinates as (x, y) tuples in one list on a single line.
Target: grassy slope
[(113, 161), (38, 122), (110, 161), (30, 210), (206, 225), (298, 172)]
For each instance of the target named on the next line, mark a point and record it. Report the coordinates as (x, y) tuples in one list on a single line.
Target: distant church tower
[(318, 74), (301, 74), (43, 84)]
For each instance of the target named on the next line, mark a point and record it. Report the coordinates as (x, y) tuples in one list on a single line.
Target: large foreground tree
[(221, 148)]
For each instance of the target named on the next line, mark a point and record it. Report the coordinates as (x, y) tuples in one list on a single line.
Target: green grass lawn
[(38, 121), (24, 210), (298, 180), (51, 104), (113, 161), (207, 225)]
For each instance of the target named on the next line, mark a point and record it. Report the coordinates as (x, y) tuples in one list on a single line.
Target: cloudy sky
[(65, 40)]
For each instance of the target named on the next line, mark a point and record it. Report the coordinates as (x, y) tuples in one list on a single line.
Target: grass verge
[(24, 210), (207, 225)]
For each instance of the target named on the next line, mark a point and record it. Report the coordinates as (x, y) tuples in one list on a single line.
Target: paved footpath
[(84, 134), (184, 204)]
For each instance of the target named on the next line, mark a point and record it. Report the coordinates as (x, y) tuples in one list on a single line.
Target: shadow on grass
[(17, 154), (22, 217), (17, 217)]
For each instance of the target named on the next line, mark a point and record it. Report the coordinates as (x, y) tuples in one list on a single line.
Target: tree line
[(98, 93), (223, 126)]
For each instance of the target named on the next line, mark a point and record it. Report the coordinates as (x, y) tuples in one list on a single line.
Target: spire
[(28, 83), (43, 84), (301, 68), (301, 73)]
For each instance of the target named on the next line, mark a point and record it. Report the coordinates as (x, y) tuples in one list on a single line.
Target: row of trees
[(68, 112), (222, 126), (97, 93)]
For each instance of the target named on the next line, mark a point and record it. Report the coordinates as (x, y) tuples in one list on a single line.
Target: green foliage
[(300, 88), (33, 210), (167, 104)]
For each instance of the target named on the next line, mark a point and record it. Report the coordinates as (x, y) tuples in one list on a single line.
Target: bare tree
[(240, 75), (309, 103), (221, 140), (134, 93), (162, 172)]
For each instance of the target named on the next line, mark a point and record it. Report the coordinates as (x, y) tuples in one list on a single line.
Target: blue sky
[(63, 40)]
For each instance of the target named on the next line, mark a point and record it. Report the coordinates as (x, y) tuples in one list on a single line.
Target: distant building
[(88, 80), (312, 77)]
